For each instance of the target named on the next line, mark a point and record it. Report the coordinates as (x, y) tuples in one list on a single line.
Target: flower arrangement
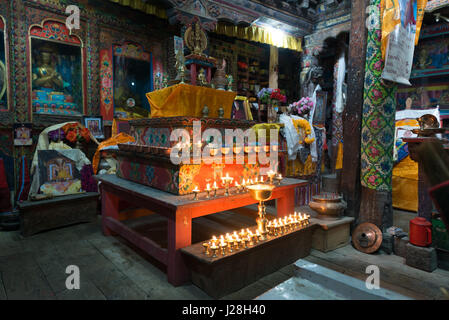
[(303, 106), (304, 125), (277, 95), (265, 94), (75, 132)]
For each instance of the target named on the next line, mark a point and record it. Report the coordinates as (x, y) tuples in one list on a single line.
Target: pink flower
[(377, 94), (378, 65), (375, 123), (372, 180), (374, 152)]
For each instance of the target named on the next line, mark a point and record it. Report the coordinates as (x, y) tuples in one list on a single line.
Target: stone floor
[(34, 268)]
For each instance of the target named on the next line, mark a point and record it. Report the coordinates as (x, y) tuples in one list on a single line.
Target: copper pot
[(328, 205)]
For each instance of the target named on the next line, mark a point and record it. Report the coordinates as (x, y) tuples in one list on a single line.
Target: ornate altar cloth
[(187, 100)]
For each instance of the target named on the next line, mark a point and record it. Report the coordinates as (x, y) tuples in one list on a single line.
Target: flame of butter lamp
[(214, 249), (230, 241), (261, 193), (195, 191), (223, 245), (279, 179), (237, 186), (243, 185), (208, 190), (242, 233), (271, 175), (206, 248), (215, 188), (226, 181), (275, 228), (214, 240), (246, 240)]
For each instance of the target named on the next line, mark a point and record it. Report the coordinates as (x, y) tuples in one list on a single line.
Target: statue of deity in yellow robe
[(45, 75)]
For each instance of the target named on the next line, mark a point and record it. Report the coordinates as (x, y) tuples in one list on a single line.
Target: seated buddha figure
[(45, 75)]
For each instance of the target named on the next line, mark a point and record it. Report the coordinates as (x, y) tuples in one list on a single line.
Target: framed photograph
[(22, 134), (95, 126), (319, 116), (178, 44)]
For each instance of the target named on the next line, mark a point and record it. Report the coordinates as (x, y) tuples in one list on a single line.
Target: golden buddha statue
[(45, 75), (195, 39)]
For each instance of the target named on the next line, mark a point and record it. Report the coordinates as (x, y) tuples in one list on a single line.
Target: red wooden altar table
[(180, 210)]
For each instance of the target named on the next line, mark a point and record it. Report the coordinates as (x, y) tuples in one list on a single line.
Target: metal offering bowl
[(261, 192), (328, 205), (428, 121)]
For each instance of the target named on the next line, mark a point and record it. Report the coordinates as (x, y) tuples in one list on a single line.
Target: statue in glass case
[(45, 75), (56, 78)]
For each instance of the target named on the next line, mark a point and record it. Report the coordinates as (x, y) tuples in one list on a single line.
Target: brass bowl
[(261, 192), (328, 205), (428, 121)]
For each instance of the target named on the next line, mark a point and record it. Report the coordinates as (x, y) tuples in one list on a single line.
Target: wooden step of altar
[(37, 216), (222, 275)]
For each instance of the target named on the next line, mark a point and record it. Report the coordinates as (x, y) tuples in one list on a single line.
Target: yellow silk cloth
[(114, 140), (114, 129), (143, 6), (339, 161), (296, 168), (188, 100), (267, 127), (405, 185), (258, 34)]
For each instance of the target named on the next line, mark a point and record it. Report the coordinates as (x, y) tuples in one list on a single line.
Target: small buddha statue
[(45, 76), (220, 112), (205, 112), (201, 78)]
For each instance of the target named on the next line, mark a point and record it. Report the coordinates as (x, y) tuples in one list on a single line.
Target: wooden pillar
[(274, 63), (377, 135), (352, 115)]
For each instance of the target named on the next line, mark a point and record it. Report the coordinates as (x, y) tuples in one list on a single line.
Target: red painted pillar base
[(286, 204), (109, 208)]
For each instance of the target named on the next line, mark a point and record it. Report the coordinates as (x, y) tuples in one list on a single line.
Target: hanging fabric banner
[(401, 23), (378, 116)]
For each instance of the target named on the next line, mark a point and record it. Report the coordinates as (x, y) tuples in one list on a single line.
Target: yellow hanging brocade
[(258, 34), (187, 100), (339, 161)]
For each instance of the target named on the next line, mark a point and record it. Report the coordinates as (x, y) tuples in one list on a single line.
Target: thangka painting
[(58, 174), (423, 97)]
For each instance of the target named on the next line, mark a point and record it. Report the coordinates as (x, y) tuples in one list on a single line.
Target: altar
[(180, 210)]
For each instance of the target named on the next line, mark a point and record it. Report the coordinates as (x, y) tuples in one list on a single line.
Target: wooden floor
[(34, 267)]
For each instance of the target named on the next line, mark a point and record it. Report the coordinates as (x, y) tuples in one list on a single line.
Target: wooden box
[(37, 216), (226, 274), (331, 234), (148, 160)]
